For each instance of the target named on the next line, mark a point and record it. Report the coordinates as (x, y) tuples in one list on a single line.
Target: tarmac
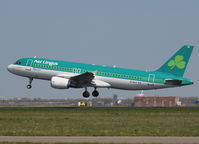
[(76, 107), (101, 139)]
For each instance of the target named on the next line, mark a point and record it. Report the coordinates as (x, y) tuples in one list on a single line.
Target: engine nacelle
[(59, 83)]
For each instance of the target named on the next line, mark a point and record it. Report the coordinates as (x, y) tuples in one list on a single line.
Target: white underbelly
[(131, 84)]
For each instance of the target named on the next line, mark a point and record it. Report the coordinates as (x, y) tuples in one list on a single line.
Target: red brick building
[(155, 101)]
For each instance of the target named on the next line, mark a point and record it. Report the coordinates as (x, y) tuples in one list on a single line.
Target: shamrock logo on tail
[(178, 62)]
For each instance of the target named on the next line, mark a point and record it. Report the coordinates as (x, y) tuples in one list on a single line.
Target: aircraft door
[(29, 64), (151, 79)]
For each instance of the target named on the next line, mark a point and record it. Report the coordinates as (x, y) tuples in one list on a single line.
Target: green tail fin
[(177, 64)]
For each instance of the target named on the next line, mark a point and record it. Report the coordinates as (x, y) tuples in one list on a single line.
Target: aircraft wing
[(85, 80), (82, 80)]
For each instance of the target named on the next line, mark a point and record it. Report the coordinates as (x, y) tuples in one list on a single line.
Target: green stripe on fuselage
[(105, 71)]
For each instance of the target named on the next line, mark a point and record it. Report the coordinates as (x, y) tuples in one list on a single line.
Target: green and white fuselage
[(63, 75)]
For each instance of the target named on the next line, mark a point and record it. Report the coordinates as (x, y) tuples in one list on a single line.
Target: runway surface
[(101, 139), (75, 107)]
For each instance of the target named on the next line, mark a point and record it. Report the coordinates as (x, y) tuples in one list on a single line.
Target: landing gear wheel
[(95, 93), (86, 94), (29, 86)]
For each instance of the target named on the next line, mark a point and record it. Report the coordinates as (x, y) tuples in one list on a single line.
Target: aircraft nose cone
[(10, 67)]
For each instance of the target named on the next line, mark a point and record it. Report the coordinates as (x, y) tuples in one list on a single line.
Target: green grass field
[(99, 122), (50, 143)]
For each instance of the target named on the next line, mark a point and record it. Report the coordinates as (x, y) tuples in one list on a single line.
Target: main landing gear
[(86, 94), (29, 86), (95, 93)]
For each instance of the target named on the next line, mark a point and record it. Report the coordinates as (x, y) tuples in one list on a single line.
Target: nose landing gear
[(29, 86)]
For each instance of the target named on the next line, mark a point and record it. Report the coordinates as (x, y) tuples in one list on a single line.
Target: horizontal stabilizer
[(173, 82)]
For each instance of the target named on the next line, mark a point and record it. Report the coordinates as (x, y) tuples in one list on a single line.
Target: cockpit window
[(18, 62)]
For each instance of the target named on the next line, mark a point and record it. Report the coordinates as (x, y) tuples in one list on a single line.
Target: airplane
[(64, 75)]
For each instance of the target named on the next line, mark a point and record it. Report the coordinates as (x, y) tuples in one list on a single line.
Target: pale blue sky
[(137, 34)]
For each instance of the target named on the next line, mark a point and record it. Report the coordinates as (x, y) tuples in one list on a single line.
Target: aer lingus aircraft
[(64, 75)]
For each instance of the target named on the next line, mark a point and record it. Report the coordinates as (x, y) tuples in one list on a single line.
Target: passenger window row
[(83, 71)]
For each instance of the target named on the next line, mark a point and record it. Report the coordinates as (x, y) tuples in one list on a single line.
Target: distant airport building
[(156, 101)]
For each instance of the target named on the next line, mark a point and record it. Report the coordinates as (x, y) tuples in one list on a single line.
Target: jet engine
[(59, 83)]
